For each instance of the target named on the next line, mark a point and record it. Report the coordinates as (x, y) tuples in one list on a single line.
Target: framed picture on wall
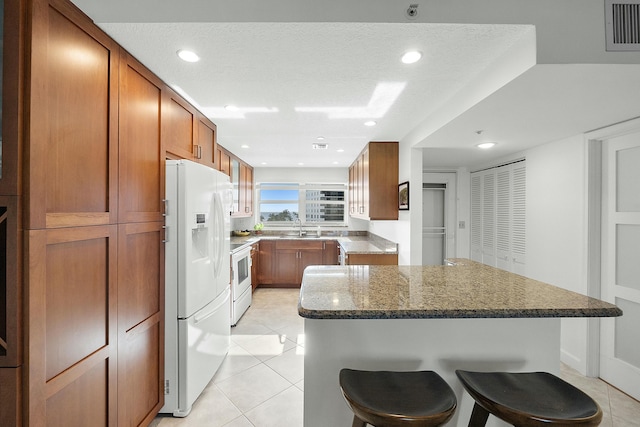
[(403, 196)]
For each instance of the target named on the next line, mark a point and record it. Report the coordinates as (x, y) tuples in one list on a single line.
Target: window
[(283, 203)]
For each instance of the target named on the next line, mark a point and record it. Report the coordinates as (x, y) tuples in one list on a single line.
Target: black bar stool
[(528, 399), (397, 399)]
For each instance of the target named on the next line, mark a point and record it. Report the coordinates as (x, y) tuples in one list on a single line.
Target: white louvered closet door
[(518, 217), (476, 217), (498, 217), (503, 217), (489, 218)]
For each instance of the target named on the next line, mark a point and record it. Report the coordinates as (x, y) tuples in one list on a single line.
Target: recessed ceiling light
[(320, 138), (188, 56), (486, 145), (340, 150), (231, 108), (370, 123), (263, 163), (335, 163), (244, 146), (300, 164), (411, 57)]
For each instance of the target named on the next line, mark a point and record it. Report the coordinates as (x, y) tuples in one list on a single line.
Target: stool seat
[(528, 399), (396, 399)]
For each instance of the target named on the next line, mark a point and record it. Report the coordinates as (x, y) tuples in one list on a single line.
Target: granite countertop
[(369, 244), (466, 289)]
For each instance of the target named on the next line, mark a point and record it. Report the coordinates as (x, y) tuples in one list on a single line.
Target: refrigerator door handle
[(218, 233)]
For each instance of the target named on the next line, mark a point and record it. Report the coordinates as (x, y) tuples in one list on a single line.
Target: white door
[(620, 343), (438, 217), (434, 230)]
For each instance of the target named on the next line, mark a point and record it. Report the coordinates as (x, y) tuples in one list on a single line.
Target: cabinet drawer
[(299, 244)]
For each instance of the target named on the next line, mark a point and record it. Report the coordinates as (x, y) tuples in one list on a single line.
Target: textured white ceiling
[(546, 78), (315, 79)]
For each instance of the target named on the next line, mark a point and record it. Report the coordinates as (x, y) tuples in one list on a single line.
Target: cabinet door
[(235, 184), (72, 326), (178, 119), (267, 252), (225, 162), (140, 322), (141, 160), (73, 126), (307, 257), (206, 142), (255, 265), (246, 195), (330, 253), (286, 267)]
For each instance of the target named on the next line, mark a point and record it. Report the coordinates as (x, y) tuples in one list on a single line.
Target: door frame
[(594, 177), (450, 179)]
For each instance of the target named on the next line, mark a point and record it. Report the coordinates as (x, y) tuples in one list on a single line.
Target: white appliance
[(197, 280), (240, 283)]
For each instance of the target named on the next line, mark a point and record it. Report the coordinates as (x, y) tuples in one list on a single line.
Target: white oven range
[(240, 283)]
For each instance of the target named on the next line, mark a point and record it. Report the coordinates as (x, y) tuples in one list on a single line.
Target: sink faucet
[(299, 222)]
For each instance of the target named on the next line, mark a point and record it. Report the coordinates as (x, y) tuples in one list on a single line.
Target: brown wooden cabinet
[(255, 265), (242, 182), (206, 145), (371, 259), (330, 253), (373, 182), (178, 133), (266, 258), (292, 257), (223, 161)]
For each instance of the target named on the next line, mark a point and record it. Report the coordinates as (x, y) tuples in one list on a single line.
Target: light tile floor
[(261, 384)]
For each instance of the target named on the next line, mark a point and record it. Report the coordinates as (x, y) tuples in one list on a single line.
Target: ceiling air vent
[(623, 25), (320, 146)]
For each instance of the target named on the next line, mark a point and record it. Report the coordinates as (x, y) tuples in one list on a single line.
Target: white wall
[(557, 230), (310, 175)]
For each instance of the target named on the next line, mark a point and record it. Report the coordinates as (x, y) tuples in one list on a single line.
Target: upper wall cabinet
[(178, 119), (141, 153), (373, 182), (205, 146), (73, 122)]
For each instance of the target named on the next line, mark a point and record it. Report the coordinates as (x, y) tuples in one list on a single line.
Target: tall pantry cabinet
[(81, 216)]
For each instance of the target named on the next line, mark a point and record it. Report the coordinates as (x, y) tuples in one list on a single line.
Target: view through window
[(284, 203)]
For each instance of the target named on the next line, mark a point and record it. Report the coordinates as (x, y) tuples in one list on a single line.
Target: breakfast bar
[(465, 315)]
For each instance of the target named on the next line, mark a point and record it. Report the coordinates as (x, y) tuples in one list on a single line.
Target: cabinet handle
[(166, 233), (166, 207)]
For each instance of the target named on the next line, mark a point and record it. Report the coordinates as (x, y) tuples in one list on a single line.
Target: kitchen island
[(442, 318)]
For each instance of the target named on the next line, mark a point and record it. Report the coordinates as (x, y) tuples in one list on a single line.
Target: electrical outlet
[(461, 224)]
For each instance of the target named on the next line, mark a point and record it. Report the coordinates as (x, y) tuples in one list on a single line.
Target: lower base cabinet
[(371, 259)]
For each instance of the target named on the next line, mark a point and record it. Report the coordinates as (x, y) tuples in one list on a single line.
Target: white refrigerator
[(197, 279)]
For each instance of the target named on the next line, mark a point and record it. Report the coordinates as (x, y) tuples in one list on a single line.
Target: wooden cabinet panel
[(84, 402), (372, 259), (246, 189), (10, 396), (71, 325), (140, 322), (140, 273), (224, 162), (140, 374), (141, 159), (266, 261), (177, 125), (255, 265), (306, 258), (286, 267), (373, 182), (330, 253), (73, 124), (206, 142)]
